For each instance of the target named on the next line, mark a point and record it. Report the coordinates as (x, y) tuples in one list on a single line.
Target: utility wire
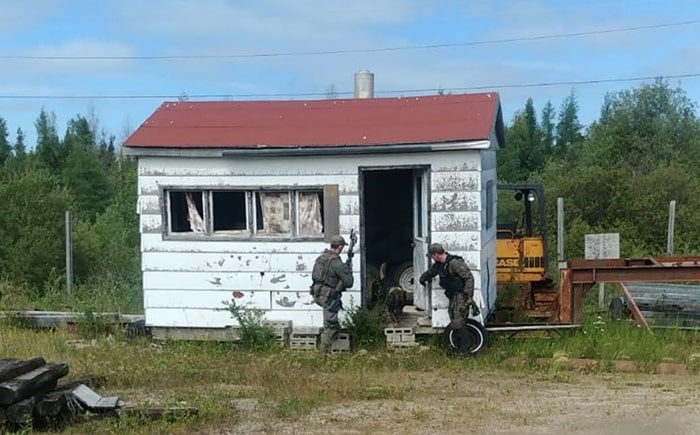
[(359, 50), (187, 97)]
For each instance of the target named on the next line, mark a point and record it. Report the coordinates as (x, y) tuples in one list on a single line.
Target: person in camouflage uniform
[(455, 278), (330, 278)]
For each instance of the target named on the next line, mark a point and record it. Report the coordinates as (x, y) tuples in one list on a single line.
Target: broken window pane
[(186, 211), (273, 212), (229, 212), (310, 213)]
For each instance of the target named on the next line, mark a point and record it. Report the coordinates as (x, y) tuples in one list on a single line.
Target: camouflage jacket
[(330, 270), (455, 276)]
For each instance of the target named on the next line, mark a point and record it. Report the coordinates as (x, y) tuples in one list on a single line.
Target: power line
[(359, 50), (493, 87)]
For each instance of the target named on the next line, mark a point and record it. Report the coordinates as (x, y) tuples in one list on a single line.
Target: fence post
[(671, 222), (69, 253)]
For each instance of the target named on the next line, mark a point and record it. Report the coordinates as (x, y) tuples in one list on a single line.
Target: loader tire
[(465, 341)]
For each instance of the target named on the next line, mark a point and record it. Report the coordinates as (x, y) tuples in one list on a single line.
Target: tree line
[(81, 172), (616, 175)]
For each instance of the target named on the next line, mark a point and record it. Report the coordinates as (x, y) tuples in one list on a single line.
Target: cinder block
[(405, 338), (341, 343), (305, 344), (305, 331), (280, 324)]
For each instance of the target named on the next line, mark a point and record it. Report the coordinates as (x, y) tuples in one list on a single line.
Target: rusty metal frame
[(580, 275)]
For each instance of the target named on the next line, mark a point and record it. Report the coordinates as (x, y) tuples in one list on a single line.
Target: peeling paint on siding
[(456, 182), (456, 201), (455, 222), (280, 278)]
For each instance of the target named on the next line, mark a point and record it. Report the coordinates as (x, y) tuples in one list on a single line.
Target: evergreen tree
[(49, 149), (548, 114), (524, 152), (568, 130), (83, 171), (5, 148), (20, 148)]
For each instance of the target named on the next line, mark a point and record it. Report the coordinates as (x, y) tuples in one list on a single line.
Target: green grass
[(288, 385)]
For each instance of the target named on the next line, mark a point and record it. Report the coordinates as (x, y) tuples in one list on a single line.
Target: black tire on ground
[(402, 275), (465, 341)]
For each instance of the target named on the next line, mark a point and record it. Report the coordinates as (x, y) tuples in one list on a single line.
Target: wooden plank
[(204, 299), (286, 300), (458, 240), (455, 221), (455, 201), (10, 369), (229, 263), (195, 334), (42, 379), (463, 181), (229, 281), (188, 317), (152, 185), (155, 243)]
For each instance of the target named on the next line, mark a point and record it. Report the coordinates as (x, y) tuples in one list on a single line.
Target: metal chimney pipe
[(364, 84)]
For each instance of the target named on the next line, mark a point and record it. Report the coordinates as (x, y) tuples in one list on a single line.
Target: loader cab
[(521, 251)]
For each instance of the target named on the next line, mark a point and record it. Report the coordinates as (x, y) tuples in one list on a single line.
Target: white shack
[(237, 198)]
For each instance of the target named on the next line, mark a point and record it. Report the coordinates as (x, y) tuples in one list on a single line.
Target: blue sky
[(134, 36)]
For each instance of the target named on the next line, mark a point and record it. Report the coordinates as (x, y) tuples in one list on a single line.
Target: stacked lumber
[(32, 393)]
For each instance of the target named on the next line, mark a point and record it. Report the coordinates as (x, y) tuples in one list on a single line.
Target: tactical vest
[(452, 283), (320, 274)]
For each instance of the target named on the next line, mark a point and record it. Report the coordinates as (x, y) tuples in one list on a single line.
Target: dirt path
[(505, 403)]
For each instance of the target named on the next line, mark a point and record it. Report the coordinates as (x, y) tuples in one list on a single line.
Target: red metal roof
[(321, 123)]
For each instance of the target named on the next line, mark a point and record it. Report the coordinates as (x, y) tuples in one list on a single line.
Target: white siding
[(187, 281), (455, 220)]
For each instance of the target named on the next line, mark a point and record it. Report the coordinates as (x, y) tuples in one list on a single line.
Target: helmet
[(435, 248), (338, 240)]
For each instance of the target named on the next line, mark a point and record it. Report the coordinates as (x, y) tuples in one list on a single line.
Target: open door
[(421, 238)]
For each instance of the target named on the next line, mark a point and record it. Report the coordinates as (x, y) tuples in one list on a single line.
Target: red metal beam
[(636, 312), (580, 275)]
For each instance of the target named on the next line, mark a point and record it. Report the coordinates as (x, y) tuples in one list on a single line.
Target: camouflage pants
[(331, 328), (331, 325), (456, 310)]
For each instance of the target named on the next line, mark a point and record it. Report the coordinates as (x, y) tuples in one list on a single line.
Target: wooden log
[(52, 404), (40, 380), (21, 412), (92, 381), (11, 368), (56, 403)]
